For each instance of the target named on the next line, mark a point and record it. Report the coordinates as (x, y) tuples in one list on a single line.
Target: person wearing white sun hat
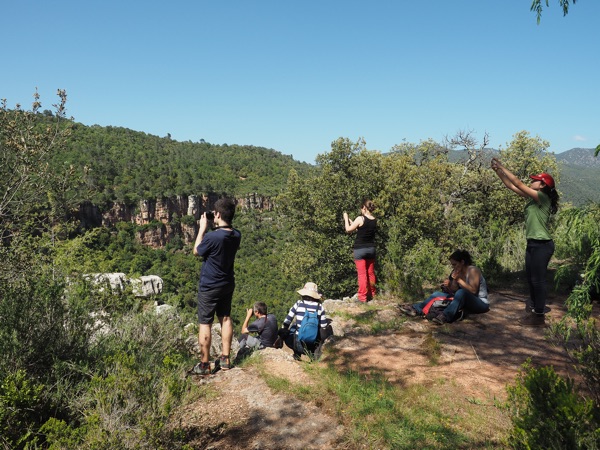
[(310, 303)]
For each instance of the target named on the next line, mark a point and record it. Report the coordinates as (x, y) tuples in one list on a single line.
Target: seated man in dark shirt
[(264, 327)]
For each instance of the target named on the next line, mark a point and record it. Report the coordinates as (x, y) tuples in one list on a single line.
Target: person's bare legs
[(204, 340), (226, 334)]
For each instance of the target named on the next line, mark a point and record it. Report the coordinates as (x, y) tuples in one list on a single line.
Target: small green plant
[(579, 245), (188, 220), (431, 348), (21, 400), (547, 413)]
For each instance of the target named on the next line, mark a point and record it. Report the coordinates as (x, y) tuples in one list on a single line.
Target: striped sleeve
[(322, 316), (291, 314)]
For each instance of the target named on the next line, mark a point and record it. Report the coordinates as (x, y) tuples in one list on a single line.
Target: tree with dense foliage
[(427, 207), (31, 189)]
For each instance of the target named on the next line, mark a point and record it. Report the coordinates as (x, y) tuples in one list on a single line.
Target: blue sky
[(295, 76)]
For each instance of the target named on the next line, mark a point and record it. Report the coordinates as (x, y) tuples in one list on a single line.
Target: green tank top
[(537, 217)]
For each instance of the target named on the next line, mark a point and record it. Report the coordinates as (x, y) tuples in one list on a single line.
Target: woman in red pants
[(364, 249)]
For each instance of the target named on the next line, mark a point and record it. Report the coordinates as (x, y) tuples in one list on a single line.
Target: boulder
[(147, 285), (143, 286), (117, 281)]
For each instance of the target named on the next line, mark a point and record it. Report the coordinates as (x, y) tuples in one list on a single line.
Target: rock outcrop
[(144, 286), (162, 219)]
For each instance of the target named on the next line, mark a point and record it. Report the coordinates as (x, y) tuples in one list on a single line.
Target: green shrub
[(578, 244), (420, 265), (188, 220), (135, 385), (548, 414), (21, 401), (40, 324)]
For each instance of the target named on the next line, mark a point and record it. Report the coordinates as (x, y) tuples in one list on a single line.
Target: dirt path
[(480, 354), (245, 413)]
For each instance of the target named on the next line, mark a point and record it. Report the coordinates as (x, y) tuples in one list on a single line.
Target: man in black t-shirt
[(217, 281)]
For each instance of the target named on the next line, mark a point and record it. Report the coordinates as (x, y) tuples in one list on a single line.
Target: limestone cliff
[(162, 219)]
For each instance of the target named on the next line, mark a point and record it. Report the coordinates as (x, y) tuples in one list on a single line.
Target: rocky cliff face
[(163, 219)]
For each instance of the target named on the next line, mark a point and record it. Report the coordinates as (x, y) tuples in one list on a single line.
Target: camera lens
[(210, 215)]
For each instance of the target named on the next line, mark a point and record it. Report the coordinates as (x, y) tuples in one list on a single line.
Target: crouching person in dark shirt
[(260, 334)]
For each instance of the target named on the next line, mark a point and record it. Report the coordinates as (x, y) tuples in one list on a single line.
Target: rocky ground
[(480, 354)]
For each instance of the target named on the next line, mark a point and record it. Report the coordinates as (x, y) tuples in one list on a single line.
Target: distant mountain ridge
[(580, 174), (579, 157)]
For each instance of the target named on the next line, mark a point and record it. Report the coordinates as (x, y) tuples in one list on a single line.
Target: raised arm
[(351, 226), (512, 182), (249, 313), (201, 233)]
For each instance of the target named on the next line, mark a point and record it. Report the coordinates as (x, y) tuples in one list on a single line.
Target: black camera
[(210, 215)]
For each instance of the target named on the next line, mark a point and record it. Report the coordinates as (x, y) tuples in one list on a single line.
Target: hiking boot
[(409, 310), (533, 320), (440, 319), (201, 369), (224, 362)]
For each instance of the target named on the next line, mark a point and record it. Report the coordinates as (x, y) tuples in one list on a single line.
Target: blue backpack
[(309, 327)]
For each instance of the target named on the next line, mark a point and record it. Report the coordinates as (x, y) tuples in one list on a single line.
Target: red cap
[(546, 178)]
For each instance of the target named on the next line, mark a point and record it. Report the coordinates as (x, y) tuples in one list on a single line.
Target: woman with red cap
[(543, 201)]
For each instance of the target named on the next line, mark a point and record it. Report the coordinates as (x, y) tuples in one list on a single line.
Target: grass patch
[(380, 415)]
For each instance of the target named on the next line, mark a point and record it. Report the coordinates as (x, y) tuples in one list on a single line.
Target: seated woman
[(466, 284)]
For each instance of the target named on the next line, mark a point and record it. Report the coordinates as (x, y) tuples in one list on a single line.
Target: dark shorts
[(214, 301), (364, 253)]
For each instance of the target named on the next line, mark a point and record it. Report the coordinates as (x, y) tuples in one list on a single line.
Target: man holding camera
[(261, 333), (217, 280)]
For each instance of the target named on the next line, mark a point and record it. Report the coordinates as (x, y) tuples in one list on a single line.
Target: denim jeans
[(419, 306), (463, 299)]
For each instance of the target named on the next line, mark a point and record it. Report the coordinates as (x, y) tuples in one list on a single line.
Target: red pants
[(366, 279)]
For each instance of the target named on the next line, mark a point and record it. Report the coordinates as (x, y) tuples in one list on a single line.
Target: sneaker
[(201, 369), (409, 310), (355, 298), (533, 320), (440, 319), (224, 362)]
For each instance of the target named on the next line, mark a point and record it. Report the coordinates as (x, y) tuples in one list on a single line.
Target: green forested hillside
[(579, 185), (580, 173), (126, 166)]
